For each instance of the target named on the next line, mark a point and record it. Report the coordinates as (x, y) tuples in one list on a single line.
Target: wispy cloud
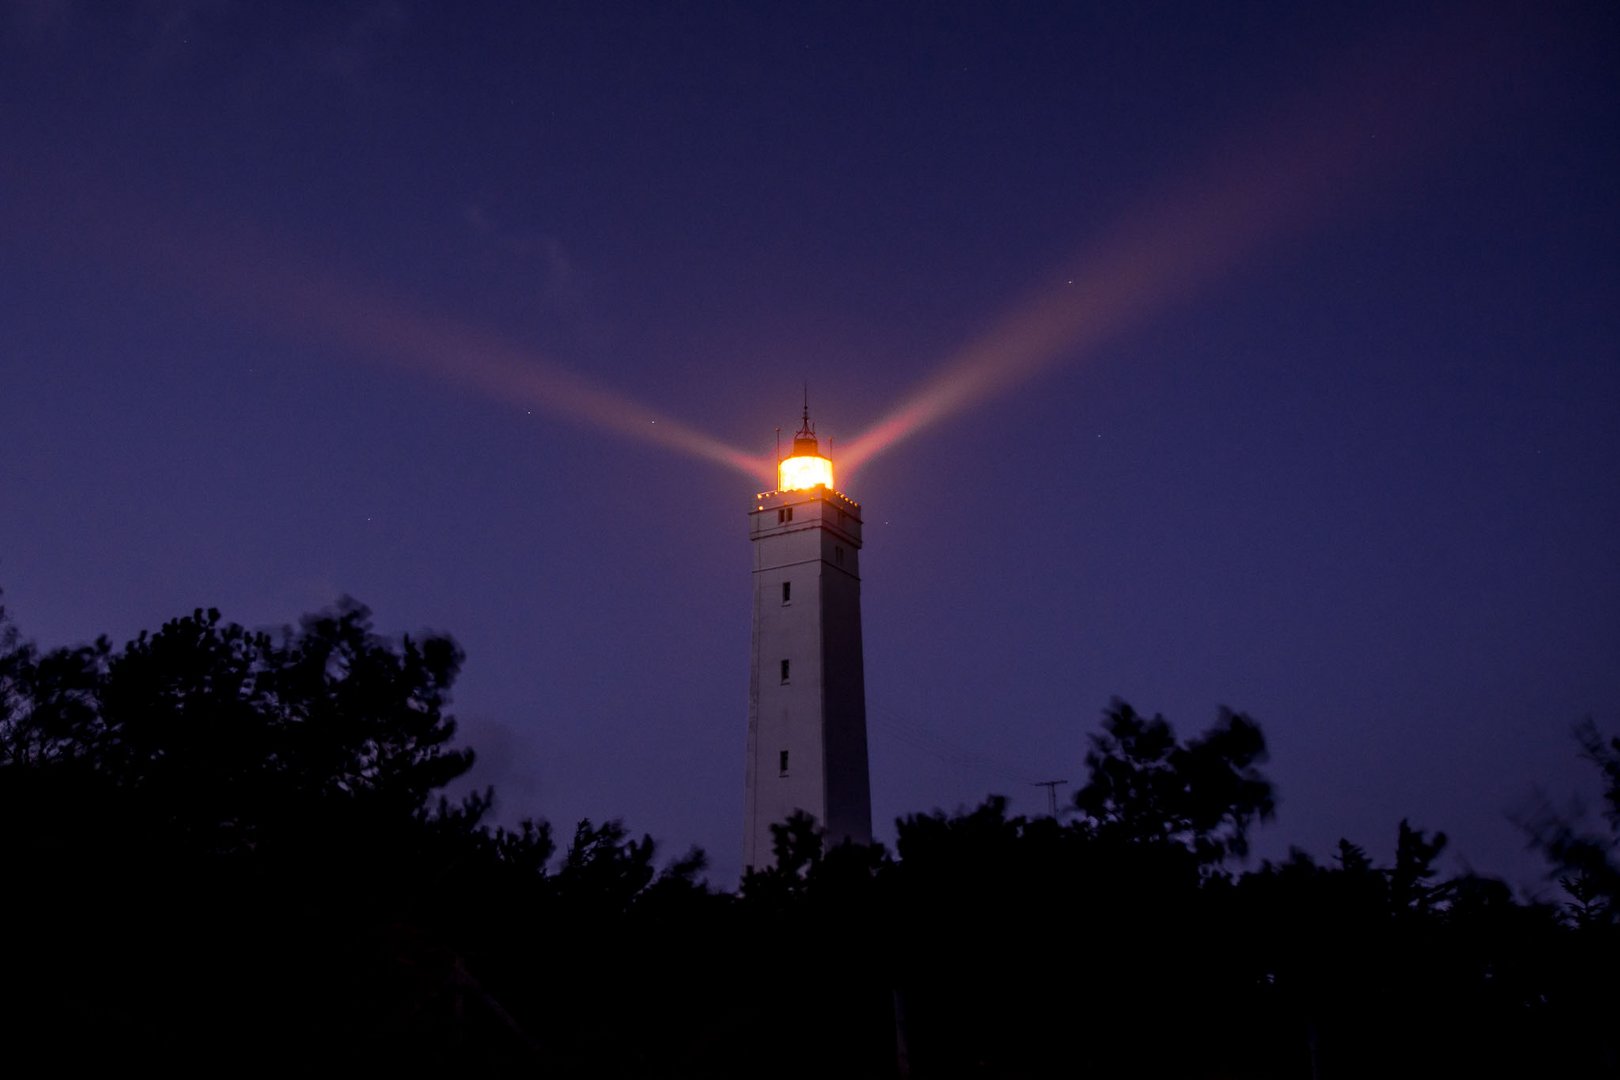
[(560, 287)]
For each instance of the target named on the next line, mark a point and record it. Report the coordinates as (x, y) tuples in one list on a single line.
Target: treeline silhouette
[(228, 851)]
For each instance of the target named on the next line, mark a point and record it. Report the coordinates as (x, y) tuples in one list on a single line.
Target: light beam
[(1256, 188), (264, 282), (470, 359)]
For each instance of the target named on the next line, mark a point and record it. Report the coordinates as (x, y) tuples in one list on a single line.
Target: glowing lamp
[(803, 471), (805, 468)]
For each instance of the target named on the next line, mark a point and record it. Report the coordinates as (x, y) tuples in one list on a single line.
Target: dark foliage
[(1202, 795), (1586, 861), (226, 851)]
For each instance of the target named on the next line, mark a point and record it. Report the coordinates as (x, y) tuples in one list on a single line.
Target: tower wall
[(810, 541)]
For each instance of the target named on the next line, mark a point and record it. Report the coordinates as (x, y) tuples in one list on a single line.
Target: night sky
[(1263, 355)]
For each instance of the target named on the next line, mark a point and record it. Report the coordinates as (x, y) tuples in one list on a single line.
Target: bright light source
[(803, 472)]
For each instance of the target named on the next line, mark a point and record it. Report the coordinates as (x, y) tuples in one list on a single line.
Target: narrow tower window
[(787, 592), (784, 671), (782, 763), (838, 554)]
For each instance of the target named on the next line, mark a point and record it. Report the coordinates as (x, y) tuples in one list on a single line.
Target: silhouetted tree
[(223, 733), (228, 850), (1412, 888), (213, 820), (1586, 861), (1031, 945), (797, 844), (816, 915), (1145, 787)]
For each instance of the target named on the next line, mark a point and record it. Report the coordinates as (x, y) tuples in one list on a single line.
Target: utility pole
[(1051, 787)]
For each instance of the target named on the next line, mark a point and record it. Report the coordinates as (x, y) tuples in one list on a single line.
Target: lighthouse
[(807, 688)]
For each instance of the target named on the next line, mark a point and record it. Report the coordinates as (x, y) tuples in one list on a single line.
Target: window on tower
[(838, 554), (782, 763), (787, 592), (784, 671)]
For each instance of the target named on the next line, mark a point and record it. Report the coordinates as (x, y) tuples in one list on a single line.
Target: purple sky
[(1265, 357)]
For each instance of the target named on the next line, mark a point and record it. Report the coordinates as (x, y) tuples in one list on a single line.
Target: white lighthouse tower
[(807, 691)]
